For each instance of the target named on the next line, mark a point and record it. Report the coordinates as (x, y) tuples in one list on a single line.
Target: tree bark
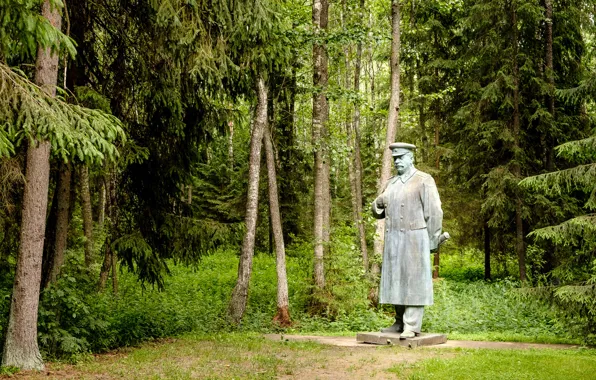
[(550, 78), (437, 255), (355, 164), (56, 234), (516, 166), (391, 120), (62, 219), (87, 214), (101, 204), (487, 274), (110, 184), (320, 116), (239, 298), (282, 317), (20, 347)]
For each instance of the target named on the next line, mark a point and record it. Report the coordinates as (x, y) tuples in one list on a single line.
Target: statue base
[(380, 338)]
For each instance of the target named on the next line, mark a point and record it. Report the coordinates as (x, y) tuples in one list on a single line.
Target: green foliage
[(23, 30), (479, 307), (74, 131)]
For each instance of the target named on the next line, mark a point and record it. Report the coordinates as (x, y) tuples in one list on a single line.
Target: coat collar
[(405, 178)]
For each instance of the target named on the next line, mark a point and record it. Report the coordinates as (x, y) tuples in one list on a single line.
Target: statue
[(411, 207)]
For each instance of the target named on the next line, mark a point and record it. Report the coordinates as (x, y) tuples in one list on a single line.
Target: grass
[(504, 364), (250, 356)]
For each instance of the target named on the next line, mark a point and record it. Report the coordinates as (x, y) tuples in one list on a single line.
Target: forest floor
[(242, 356)]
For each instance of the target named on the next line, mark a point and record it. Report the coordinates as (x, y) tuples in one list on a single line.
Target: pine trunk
[(20, 347), (111, 205), (392, 120), (56, 234), (320, 116), (516, 167), (240, 293), (87, 214), (62, 219), (550, 78), (282, 318), (101, 206), (487, 274)]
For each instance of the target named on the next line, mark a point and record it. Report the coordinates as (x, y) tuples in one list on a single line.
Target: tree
[(282, 317), (21, 349), (392, 120), (320, 116), (239, 298)]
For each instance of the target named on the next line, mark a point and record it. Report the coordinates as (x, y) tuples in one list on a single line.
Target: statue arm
[(433, 214)]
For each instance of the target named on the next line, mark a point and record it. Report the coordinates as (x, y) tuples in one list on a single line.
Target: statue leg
[(412, 321), (398, 326)]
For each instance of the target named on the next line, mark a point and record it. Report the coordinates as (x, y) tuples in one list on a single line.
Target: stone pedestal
[(424, 339)]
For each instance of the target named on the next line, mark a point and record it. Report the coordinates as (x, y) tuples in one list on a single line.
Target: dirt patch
[(357, 363)]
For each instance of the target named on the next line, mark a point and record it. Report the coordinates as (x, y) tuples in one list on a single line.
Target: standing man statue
[(411, 207)]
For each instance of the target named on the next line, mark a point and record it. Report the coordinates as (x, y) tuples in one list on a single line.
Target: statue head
[(403, 156)]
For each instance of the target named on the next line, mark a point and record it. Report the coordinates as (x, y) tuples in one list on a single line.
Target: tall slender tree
[(392, 119), (320, 116), (282, 317), (20, 348), (239, 298)]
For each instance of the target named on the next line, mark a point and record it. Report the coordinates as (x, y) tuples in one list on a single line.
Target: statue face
[(403, 163)]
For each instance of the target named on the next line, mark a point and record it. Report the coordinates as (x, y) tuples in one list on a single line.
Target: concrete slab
[(379, 338)]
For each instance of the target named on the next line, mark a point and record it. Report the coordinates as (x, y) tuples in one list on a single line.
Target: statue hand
[(380, 203)]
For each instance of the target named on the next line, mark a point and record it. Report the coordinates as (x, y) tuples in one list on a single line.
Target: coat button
[(402, 205), (402, 230)]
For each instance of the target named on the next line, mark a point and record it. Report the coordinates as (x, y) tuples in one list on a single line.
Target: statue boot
[(398, 326)]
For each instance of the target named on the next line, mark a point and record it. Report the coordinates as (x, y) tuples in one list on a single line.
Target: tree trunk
[(282, 317), (101, 204), (57, 228), (437, 255), (114, 273), (516, 167), (356, 159), (105, 267), (20, 347), (391, 120), (240, 293), (62, 219), (87, 214), (487, 274), (110, 184), (550, 78), (320, 116)]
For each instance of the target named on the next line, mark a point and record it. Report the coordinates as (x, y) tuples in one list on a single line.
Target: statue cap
[(401, 148)]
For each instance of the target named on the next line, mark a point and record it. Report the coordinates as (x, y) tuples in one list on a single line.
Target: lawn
[(250, 356)]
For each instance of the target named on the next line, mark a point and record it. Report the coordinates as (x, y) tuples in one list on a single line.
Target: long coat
[(413, 223)]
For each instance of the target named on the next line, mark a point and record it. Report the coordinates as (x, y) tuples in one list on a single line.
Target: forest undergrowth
[(75, 319)]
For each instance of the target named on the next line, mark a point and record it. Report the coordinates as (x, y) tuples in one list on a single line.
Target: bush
[(463, 266)]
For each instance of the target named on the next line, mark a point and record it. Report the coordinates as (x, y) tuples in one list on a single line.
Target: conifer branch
[(74, 131)]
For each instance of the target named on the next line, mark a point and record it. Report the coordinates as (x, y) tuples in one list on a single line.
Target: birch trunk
[(282, 317), (20, 348), (391, 121), (240, 293)]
